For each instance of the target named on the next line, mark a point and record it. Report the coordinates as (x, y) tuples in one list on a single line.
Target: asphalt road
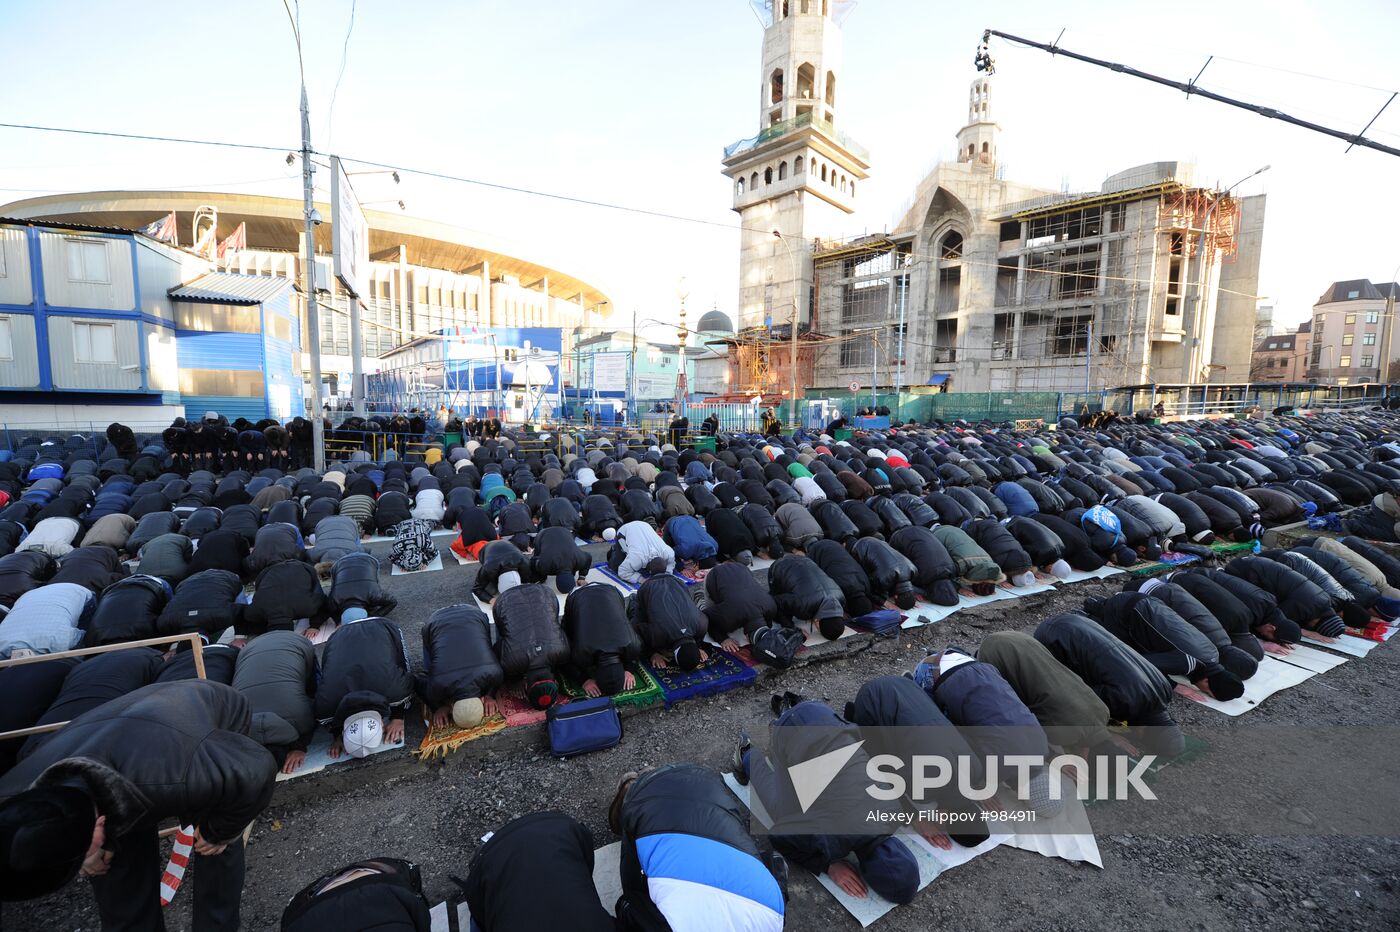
[(1288, 873)]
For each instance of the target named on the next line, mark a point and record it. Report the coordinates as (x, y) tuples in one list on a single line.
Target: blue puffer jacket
[(689, 539), (1018, 500)]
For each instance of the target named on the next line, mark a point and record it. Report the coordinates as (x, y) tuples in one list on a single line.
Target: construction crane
[(985, 63)]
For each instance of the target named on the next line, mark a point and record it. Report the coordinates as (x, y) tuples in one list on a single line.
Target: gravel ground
[(1293, 877)]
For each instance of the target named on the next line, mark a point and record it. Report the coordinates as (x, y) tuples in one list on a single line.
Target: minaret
[(977, 141), (798, 176)]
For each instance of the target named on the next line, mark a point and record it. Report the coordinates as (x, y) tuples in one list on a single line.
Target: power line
[(344, 57), (1189, 88), (140, 137)]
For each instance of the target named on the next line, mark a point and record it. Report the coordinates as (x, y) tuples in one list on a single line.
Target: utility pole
[(313, 308), (902, 282), (1088, 358)]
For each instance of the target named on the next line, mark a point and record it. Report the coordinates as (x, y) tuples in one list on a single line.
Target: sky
[(629, 102)]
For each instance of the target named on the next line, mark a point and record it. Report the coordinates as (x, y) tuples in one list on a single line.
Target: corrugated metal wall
[(22, 371), (116, 294), (233, 408), (122, 375), (284, 380), (15, 287), (199, 350)]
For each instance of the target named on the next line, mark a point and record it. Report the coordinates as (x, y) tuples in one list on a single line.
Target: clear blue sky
[(630, 101)]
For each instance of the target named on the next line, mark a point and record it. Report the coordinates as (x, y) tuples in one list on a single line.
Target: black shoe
[(741, 747)]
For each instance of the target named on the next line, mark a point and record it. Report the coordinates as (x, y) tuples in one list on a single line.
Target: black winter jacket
[(205, 603), (735, 601), (597, 626), (665, 614), (365, 666), (1000, 545), (529, 636), (276, 674), (355, 584), (184, 746), (730, 533), (856, 582), (802, 591), (891, 573), (1134, 690), (935, 571), (285, 592), (458, 662)]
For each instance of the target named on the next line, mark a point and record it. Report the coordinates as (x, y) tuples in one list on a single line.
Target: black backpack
[(776, 645)]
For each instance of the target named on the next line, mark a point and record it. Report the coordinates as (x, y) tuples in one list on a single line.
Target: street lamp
[(1190, 369)]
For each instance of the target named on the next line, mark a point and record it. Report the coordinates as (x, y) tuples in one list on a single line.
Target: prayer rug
[(646, 692), (516, 710), (608, 573), (440, 742), (720, 673)]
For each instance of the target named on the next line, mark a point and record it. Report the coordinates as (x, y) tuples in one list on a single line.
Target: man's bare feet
[(294, 760), (847, 878)]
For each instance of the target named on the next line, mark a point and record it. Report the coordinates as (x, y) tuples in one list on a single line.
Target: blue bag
[(880, 621), (583, 726)]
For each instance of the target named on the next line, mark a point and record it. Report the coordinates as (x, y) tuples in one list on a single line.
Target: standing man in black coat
[(93, 798)]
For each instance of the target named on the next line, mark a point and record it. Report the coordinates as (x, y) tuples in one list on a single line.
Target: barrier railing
[(196, 642)]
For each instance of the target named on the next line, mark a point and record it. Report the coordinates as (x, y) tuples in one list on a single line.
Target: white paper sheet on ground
[(739, 637), (926, 613), (461, 560), (1273, 675), (1310, 658), (1346, 644), (1018, 591), (998, 595), (1389, 632), (318, 756), (584, 543), (762, 563), (1102, 572), (815, 637), (437, 916), (932, 862), (322, 634), (1060, 837), (607, 875), (431, 567)]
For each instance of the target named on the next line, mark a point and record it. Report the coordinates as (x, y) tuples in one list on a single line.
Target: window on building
[(1010, 231), (1353, 295), (948, 296), (1350, 319), (741, 186), (1368, 339), (945, 341), (753, 182), (768, 175), (799, 165), (831, 88), (95, 343), (1367, 362), (1347, 339), (951, 246), (7, 346), (1006, 284), (806, 81), (823, 173), (87, 261), (1346, 361), (1271, 346), (775, 86), (1372, 317), (1071, 335), (782, 171)]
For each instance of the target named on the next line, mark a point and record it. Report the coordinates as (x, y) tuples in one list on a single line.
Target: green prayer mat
[(646, 692)]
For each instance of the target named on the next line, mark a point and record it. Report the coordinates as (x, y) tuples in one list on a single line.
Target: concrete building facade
[(1353, 333), (990, 285)]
